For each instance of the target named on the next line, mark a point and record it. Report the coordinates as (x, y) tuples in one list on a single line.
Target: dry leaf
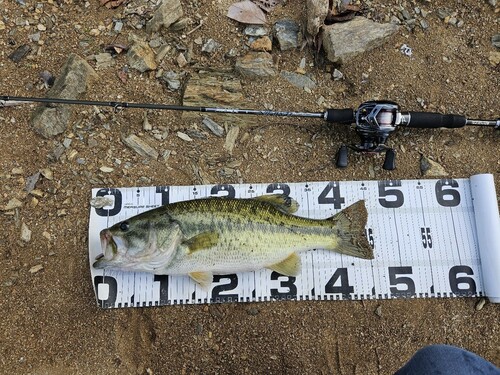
[(267, 5), (246, 12), (111, 3)]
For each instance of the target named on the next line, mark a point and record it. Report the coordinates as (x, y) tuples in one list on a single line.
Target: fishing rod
[(374, 120)]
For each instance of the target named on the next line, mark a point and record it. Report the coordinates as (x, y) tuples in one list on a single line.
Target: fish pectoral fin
[(281, 201), (202, 241), (288, 267), (203, 278)]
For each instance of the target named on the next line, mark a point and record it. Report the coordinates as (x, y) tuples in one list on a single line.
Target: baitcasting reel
[(376, 120)]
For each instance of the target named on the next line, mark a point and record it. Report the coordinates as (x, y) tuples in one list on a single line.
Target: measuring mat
[(431, 238)]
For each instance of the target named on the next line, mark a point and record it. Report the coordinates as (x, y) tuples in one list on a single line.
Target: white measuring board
[(423, 232)]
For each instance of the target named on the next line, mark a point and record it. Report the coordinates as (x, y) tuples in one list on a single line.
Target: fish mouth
[(109, 250)]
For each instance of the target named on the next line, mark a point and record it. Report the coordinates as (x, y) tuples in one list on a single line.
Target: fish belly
[(246, 250)]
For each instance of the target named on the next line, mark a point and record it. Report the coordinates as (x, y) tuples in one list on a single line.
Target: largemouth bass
[(220, 236)]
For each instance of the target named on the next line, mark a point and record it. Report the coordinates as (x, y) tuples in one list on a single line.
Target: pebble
[(2, 25), (140, 146), (105, 169), (184, 137), (35, 37), (36, 268), (25, 233), (210, 46), (181, 60), (145, 123), (213, 127), (378, 311), (337, 75), (495, 40), (118, 26), (254, 30), (47, 173), (100, 202), (17, 170), (231, 137), (480, 304), (12, 204), (41, 27), (172, 80), (287, 33)]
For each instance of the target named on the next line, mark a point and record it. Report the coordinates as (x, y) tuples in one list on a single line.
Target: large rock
[(216, 89), (256, 65), (165, 15), (317, 10), (75, 77), (343, 41)]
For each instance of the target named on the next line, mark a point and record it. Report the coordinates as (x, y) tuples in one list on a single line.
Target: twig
[(196, 28)]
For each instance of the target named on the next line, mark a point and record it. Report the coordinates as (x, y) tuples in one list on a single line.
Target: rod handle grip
[(435, 120), (340, 116)]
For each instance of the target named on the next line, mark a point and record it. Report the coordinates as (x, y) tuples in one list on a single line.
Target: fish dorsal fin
[(203, 278), (288, 267), (202, 241), (281, 201)]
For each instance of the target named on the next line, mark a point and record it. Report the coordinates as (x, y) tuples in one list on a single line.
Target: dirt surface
[(49, 321)]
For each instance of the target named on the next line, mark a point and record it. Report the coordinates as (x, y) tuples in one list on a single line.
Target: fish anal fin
[(202, 241), (203, 278), (289, 266), (281, 201)]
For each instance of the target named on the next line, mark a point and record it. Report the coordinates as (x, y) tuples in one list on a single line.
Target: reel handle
[(433, 120)]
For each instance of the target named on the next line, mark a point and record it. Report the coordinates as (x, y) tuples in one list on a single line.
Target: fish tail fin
[(350, 227)]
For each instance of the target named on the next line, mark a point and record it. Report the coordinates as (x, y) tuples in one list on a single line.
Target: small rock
[(19, 53), (256, 65), (35, 37), (47, 173), (231, 137), (17, 170), (480, 304), (12, 204), (118, 26), (25, 233), (165, 15), (495, 40), (262, 44), (287, 33), (494, 58), (298, 80), (255, 30), (105, 169), (184, 137), (146, 126), (41, 27), (180, 24), (100, 202), (172, 80), (337, 75), (378, 311), (2, 25), (431, 168), (140, 56), (104, 60), (36, 268), (213, 127), (302, 66), (210, 46), (344, 41), (162, 52), (181, 60), (140, 146)]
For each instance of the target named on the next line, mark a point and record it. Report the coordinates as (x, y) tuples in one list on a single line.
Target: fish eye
[(124, 226)]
